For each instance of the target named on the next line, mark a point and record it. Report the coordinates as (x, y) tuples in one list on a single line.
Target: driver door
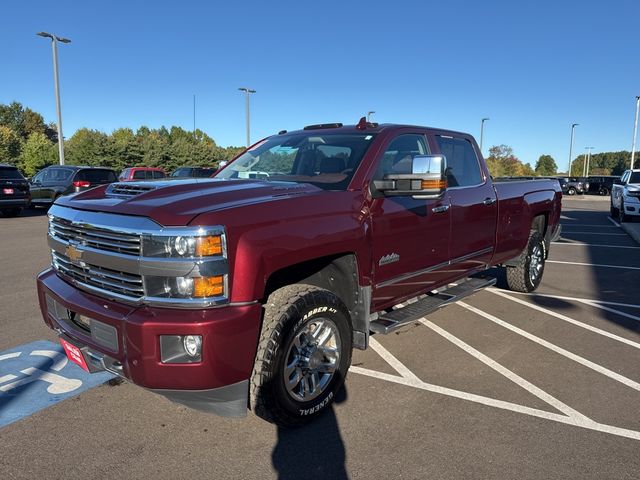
[(410, 236)]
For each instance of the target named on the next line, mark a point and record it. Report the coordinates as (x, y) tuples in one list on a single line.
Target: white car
[(625, 196)]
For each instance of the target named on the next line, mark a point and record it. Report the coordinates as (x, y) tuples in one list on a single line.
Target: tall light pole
[(54, 46), (482, 132), (369, 113), (247, 92), (573, 127), (635, 132), (587, 159)]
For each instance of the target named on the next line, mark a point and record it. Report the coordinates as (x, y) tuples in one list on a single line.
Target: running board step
[(389, 321)]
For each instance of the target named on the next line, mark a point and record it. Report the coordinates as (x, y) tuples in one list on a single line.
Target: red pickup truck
[(249, 290)]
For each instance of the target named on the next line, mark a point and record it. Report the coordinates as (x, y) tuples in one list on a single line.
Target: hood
[(177, 202)]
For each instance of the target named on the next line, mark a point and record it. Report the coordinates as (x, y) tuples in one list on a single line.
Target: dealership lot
[(501, 385)]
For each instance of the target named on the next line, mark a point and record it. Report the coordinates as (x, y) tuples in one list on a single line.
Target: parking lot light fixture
[(54, 46), (482, 132), (635, 133), (247, 91), (573, 127)]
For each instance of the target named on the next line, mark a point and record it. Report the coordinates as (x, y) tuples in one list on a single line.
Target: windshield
[(325, 160), (635, 177)]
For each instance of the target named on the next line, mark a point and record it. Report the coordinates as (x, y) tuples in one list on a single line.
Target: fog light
[(180, 348), (192, 345)]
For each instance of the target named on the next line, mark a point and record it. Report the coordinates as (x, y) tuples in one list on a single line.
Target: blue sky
[(533, 68)]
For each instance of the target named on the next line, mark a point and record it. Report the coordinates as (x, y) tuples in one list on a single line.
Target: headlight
[(183, 246)]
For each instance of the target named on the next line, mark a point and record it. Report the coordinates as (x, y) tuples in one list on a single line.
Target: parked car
[(625, 196), (253, 291), (601, 185), (141, 173), (193, 172), (52, 182), (573, 185), (14, 191)]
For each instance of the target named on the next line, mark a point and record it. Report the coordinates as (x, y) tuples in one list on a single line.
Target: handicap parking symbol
[(37, 375)]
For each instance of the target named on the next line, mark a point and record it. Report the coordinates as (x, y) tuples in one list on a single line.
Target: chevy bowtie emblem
[(73, 253)]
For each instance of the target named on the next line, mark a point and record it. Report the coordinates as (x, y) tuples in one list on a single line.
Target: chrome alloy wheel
[(312, 359), (535, 263)]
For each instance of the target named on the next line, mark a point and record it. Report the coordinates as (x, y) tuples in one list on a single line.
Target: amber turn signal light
[(208, 286), (209, 246), (433, 184)]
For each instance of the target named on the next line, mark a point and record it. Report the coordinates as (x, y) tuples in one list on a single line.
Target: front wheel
[(622, 217), (303, 355), (603, 191), (571, 191), (527, 275)]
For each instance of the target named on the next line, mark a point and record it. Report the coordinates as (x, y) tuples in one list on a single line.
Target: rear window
[(181, 172), (97, 176), (10, 173)]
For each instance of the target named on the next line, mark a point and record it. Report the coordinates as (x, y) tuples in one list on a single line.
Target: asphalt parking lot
[(501, 385)]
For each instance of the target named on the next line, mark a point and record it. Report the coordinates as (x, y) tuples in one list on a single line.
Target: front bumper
[(631, 205), (125, 341)]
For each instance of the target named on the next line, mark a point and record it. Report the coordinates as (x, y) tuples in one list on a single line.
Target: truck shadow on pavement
[(313, 451)]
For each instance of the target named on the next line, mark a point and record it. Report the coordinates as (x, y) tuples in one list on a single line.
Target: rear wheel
[(603, 191), (571, 191), (527, 275), (303, 355)]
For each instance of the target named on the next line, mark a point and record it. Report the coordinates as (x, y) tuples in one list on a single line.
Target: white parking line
[(613, 221), (573, 299), (518, 380), (570, 320), (391, 360), (583, 244), (565, 353), (593, 265), (594, 233)]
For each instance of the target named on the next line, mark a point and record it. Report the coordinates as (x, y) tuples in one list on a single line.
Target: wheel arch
[(338, 274)]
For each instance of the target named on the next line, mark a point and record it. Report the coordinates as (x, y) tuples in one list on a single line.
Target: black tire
[(622, 217), (613, 211), (293, 313), (527, 275), (571, 191), (603, 191), (11, 212)]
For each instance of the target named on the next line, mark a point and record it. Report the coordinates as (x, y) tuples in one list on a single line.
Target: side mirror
[(426, 180)]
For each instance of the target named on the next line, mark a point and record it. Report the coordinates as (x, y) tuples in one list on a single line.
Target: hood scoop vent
[(128, 189)]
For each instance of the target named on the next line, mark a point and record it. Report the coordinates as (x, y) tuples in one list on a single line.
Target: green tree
[(503, 163), (38, 152), (546, 165), (88, 147), (9, 145), (24, 121)]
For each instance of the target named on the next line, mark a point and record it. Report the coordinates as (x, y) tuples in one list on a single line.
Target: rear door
[(474, 206), (410, 236)]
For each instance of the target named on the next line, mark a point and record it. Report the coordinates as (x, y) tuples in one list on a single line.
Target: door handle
[(489, 201), (440, 209)]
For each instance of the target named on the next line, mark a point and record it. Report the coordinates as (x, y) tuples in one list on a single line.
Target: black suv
[(193, 172), (601, 184), (14, 191), (52, 182), (573, 185)]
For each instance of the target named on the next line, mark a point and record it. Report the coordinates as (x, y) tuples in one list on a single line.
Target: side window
[(158, 174), (624, 177), (139, 175), (398, 157), (463, 169), (38, 177)]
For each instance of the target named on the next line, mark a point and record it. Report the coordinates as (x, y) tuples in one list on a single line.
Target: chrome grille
[(92, 276), (128, 189), (101, 239)]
